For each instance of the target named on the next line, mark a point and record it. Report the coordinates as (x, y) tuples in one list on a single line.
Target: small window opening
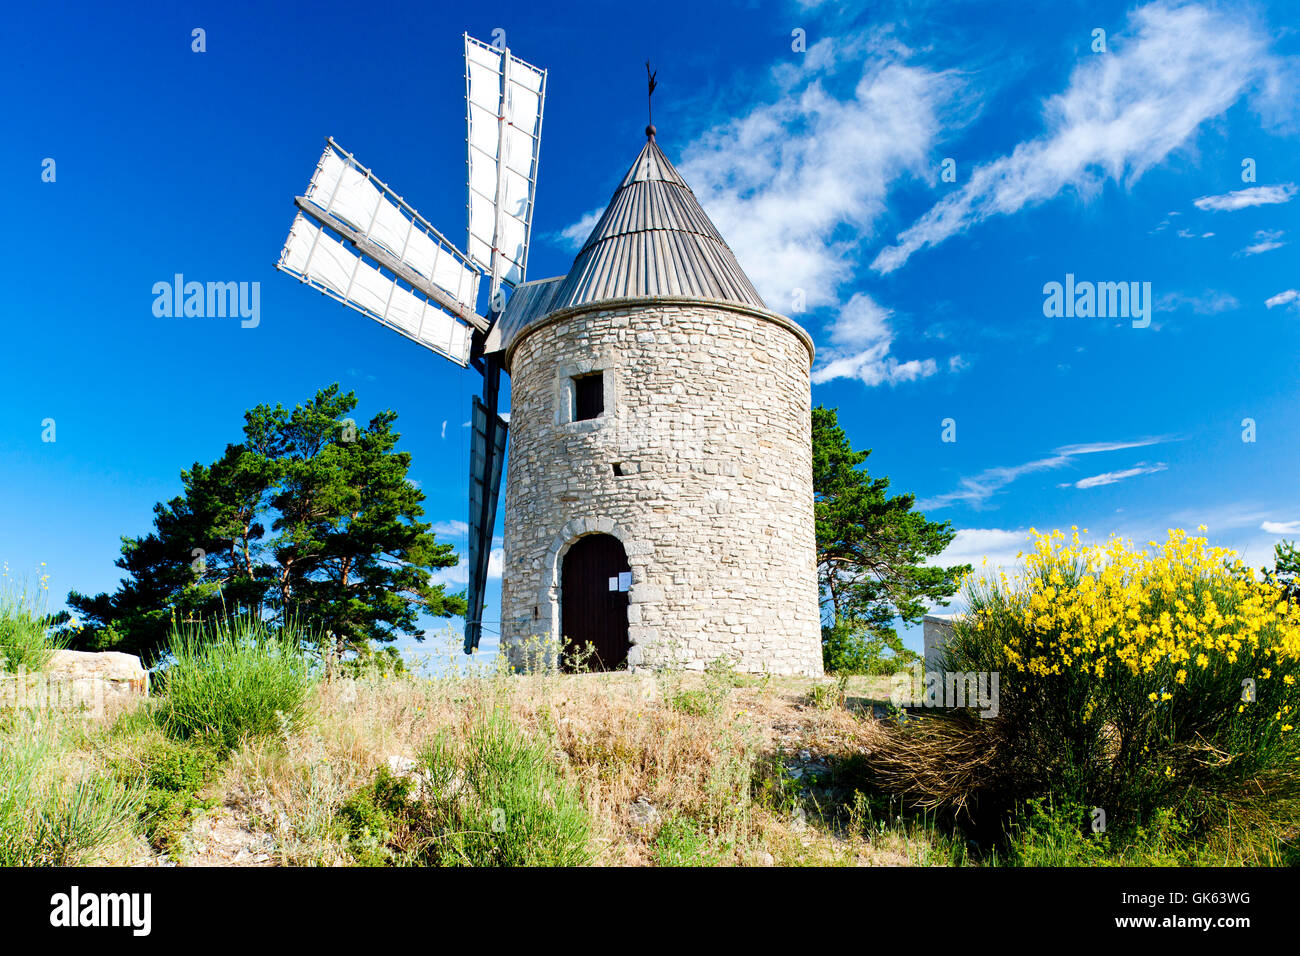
[(618, 469), (588, 396)]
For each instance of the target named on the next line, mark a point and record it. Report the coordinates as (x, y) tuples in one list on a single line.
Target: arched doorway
[(593, 600)]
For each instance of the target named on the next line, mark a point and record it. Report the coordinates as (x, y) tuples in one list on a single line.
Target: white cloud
[(979, 488), (798, 183), (1207, 303), (1266, 240), (1176, 66), (973, 545), (573, 236), (1110, 477), (450, 529), (1281, 527), (1289, 297), (783, 181), (1232, 516), (861, 339), (457, 577), (1243, 198)]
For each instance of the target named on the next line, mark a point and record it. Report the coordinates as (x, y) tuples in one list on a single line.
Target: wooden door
[(593, 600)]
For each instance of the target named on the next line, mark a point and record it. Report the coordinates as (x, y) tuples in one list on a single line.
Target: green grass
[(680, 842), (492, 797), (829, 696), (50, 816), (169, 775), (233, 680), (25, 640)]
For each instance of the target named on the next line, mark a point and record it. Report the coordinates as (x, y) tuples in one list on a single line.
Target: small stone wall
[(80, 682)]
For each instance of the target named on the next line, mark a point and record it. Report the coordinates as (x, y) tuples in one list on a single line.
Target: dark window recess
[(618, 468), (588, 397)]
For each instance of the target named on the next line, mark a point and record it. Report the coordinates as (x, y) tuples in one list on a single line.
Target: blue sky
[(823, 169)]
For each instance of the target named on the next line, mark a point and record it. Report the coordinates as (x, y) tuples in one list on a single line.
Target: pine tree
[(349, 554), (871, 549)]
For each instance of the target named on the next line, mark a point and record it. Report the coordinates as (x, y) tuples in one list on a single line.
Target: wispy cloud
[(973, 546), (572, 237), (1266, 240), (458, 577), (1207, 303), (979, 488), (1289, 297), (1231, 516), (1244, 198), (798, 183), (1281, 527), (1175, 66), (450, 529), (861, 338), (1111, 477)]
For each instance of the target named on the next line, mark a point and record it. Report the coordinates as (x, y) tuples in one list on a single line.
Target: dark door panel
[(589, 610)]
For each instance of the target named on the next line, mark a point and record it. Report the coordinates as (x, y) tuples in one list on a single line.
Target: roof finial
[(650, 77)]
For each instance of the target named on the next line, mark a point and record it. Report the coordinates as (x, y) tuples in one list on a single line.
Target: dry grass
[(637, 757), (681, 768)]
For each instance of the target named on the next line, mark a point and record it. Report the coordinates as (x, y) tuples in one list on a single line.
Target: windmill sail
[(316, 257), (344, 190), (487, 452), (504, 98), (361, 243)]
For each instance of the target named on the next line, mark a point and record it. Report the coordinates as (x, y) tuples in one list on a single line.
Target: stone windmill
[(659, 501)]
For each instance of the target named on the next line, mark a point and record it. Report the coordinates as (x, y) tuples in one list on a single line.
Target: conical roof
[(653, 241)]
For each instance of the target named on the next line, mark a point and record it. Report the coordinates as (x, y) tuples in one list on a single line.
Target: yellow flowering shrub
[(1139, 678)]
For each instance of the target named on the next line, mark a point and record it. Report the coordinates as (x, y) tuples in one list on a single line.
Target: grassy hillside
[(249, 753)]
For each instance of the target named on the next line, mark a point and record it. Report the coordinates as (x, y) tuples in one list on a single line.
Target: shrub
[(49, 818), (371, 663), (679, 842), (828, 696), (170, 775), (233, 680), (491, 798), (849, 649), (1145, 683), (699, 702), (25, 640)]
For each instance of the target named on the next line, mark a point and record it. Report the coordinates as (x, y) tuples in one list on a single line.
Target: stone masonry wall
[(707, 418)]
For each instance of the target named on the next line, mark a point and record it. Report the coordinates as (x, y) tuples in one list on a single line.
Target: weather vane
[(649, 100)]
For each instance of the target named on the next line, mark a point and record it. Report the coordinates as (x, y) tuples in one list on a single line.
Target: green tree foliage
[(311, 517), (1285, 572), (871, 549)]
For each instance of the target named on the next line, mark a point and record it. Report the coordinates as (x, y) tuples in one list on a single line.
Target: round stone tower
[(659, 500)]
